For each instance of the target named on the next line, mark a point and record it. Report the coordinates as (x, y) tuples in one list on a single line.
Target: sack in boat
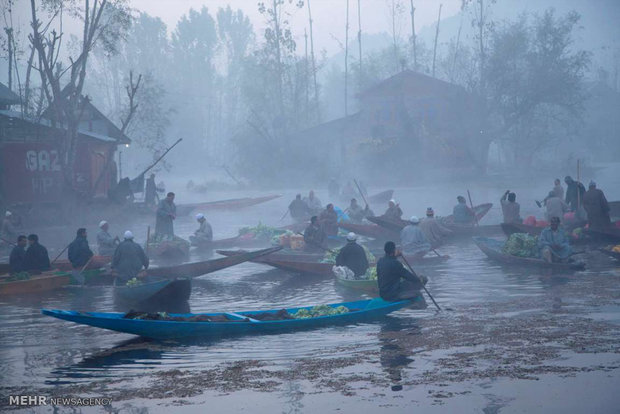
[(343, 272)]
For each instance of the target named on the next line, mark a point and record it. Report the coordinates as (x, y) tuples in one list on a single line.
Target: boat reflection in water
[(394, 352)]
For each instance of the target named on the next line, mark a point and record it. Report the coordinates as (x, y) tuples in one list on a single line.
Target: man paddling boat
[(393, 212), (462, 213), (396, 282), (413, 240), (432, 229)]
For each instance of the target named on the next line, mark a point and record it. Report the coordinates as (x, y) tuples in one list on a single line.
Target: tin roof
[(7, 96)]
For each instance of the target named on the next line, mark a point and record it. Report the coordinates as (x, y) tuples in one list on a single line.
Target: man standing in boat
[(166, 213), (298, 209), (129, 259), (37, 259), (17, 259), (432, 229), (574, 196), (314, 236), (353, 256), (553, 243), (106, 244), (596, 206), (313, 203), (413, 240), (510, 208), (461, 213), (396, 282)]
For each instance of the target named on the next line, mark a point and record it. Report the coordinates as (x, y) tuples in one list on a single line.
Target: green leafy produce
[(133, 282), (330, 256), (320, 310), (371, 273), (18, 276), (261, 231), (522, 245)]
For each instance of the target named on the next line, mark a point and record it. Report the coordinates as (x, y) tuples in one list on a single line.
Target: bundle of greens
[(133, 282), (522, 245), (261, 231), (320, 310)]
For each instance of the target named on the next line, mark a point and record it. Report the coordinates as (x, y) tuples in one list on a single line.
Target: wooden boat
[(207, 266), (382, 197), (611, 234), (36, 283), (230, 204), (175, 289), (366, 285), (609, 252), (310, 263), (614, 209), (232, 323), (493, 249), (65, 265), (370, 230)]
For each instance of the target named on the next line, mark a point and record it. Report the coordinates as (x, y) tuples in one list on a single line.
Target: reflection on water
[(38, 350)]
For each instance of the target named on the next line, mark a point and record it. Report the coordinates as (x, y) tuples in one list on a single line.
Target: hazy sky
[(328, 16)]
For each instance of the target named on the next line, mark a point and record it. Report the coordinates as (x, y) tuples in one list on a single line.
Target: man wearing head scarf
[(553, 244), (393, 212), (166, 213), (463, 214), (106, 244), (129, 259), (204, 234), (353, 256), (510, 208), (596, 206), (412, 239), (432, 229)]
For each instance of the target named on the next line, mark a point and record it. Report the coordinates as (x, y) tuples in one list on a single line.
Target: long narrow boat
[(207, 266), (493, 249), (311, 264), (382, 197), (176, 289), (232, 323), (370, 230), (65, 265), (599, 235), (36, 283), (230, 204)]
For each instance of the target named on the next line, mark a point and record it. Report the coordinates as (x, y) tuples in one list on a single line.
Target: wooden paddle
[(426, 290), (472, 208), (59, 254), (360, 191), (80, 272)]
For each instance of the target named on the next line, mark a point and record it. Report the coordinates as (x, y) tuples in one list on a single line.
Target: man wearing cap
[(166, 213), (129, 259), (17, 259), (37, 259), (393, 212), (204, 234), (461, 213), (395, 282), (314, 236), (432, 229), (353, 256), (298, 209), (106, 244), (510, 208), (413, 240), (596, 206), (553, 244)]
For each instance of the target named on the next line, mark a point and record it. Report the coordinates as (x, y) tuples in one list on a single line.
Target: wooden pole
[(148, 237), (316, 87), (359, 39), (436, 38), (346, 63), (415, 57)]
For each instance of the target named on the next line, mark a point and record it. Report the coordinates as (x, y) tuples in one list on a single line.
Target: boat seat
[(237, 316)]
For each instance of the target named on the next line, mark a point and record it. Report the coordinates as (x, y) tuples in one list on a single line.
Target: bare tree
[(436, 38)]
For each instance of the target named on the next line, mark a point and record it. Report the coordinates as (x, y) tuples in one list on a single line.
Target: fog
[(263, 100)]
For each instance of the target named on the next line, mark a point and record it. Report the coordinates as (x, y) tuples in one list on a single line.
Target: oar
[(80, 272), (285, 214), (435, 251), (426, 290), (360, 191), (148, 236), (59, 254), (472, 208)]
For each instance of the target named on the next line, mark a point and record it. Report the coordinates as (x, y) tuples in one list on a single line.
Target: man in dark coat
[(314, 236), (129, 259), (329, 220), (298, 209), (17, 259), (574, 193), (353, 256), (596, 206), (79, 252), (389, 274), (166, 213), (37, 259)]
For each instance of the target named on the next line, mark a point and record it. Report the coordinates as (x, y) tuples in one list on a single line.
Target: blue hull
[(366, 310)]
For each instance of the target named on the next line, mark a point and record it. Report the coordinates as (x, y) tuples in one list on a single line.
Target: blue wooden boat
[(233, 323), (175, 289)]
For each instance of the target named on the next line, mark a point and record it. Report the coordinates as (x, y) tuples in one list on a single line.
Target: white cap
[(393, 201), (8, 213), (128, 235), (414, 219), (200, 216), (102, 223), (351, 236)]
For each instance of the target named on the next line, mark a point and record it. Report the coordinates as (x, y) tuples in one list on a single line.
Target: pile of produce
[(320, 310), (261, 232), (522, 245), (330, 256), (18, 276), (159, 244), (283, 239), (133, 282)]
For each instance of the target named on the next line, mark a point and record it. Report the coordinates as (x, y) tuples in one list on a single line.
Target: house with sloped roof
[(31, 168)]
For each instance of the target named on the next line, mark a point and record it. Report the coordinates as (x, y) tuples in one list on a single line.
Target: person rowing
[(395, 282), (393, 212)]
